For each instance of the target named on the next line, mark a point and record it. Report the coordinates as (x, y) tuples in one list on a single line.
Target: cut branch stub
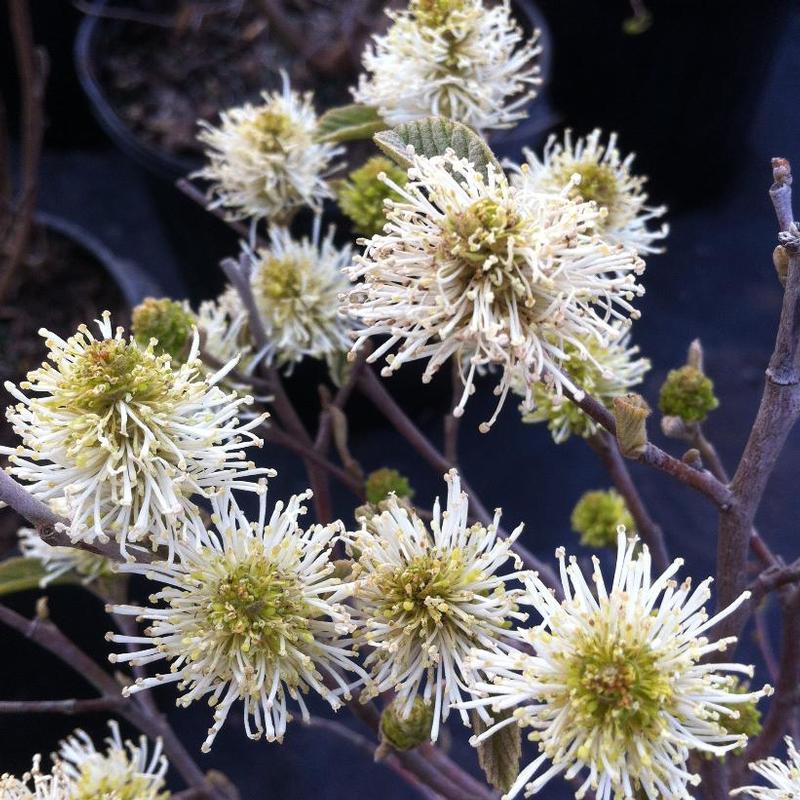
[(432, 136)]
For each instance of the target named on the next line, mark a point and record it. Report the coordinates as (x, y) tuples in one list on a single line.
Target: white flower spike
[(264, 162), (120, 441), (604, 177), (471, 268), (615, 684), (254, 613), (124, 771), (426, 598), (462, 59), (783, 775)]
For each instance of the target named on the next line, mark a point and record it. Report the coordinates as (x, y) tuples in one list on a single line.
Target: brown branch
[(773, 578), (650, 532), (785, 699), (777, 415), (51, 527), (51, 638), (32, 69), (373, 388), (68, 707), (653, 456), (368, 747)]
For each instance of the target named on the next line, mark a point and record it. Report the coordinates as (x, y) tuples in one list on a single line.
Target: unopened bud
[(694, 357), (687, 393), (42, 609), (167, 321), (780, 258), (597, 515), (383, 482), (406, 733), (631, 412), (693, 458), (675, 428)]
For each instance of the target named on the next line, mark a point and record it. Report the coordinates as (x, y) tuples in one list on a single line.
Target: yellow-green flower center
[(256, 607), (271, 129), (279, 279), (97, 781), (423, 590), (618, 686), (598, 184), (167, 321), (435, 13), (111, 370)]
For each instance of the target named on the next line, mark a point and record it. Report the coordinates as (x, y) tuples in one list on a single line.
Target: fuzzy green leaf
[(431, 137), (499, 754), (22, 574), (348, 123)]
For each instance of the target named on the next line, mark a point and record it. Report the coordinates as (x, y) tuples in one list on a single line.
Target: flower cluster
[(784, 777), (473, 268), (615, 683), (296, 286), (597, 172), (124, 771), (264, 160), (461, 59), (251, 612), (60, 561), (121, 441), (426, 597)]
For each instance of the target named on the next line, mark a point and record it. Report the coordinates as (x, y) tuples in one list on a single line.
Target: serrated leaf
[(21, 574), (499, 754), (431, 137), (348, 123)]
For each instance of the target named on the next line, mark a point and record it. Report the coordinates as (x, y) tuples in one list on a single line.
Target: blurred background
[(705, 93)]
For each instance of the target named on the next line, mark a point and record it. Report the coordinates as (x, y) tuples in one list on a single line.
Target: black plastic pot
[(133, 283), (682, 94), (200, 241)]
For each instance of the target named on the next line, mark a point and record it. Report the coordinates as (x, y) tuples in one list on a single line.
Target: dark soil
[(62, 286), (164, 70)]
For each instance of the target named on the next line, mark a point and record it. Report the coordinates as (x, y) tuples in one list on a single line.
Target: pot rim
[(160, 162), (132, 281)]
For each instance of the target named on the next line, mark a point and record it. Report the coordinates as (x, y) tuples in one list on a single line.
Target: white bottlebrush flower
[(36, 785), (617, 684), (462, 59), (122, 441), (603, 371), (124, 771), (426, 598), (783, 775), (605, 178), (254, 613), (222, 324), (297, 286), (58, 561), (470, 267), (263, 160)]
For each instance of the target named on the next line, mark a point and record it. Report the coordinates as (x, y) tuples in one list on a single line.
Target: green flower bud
[(362, 194), (597, 515), (381, 483), (435, 13), (687, 393), (748, 723), (167, 320), (408, 733)]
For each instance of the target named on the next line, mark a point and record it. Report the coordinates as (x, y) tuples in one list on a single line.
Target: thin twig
[(650, 532), (32, 69), (68, 707), (52, 529)]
